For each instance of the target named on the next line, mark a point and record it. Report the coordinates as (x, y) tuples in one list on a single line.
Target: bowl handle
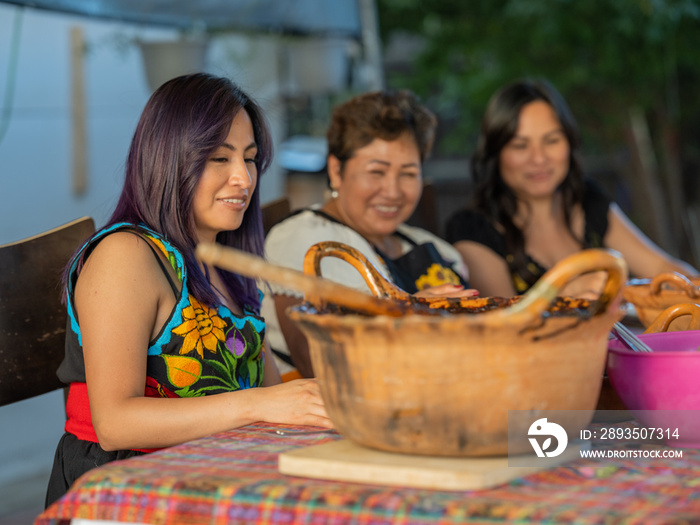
[(532, 305), (379, 285), (664, 319), (538, 298), (678, 280)]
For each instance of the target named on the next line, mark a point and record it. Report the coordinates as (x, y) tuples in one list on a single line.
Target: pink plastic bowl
[(664, 385)]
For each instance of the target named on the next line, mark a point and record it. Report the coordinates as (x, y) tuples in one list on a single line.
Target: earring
[(334, 193)]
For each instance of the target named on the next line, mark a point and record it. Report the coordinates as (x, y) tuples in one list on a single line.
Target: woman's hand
[(447, 290), (296, 402)]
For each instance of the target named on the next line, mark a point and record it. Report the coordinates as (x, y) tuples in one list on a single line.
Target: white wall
[(35, 171), (251, 61), (35, 155)]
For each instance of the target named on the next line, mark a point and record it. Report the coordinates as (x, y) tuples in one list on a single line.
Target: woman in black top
[(532, 206)]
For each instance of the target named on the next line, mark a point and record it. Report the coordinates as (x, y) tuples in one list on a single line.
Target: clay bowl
[(660, 388), (651, 297), (442, 385)]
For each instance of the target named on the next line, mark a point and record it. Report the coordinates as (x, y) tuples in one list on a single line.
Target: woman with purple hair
[(153, 333)]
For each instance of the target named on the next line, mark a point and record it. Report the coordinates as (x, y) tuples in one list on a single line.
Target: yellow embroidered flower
[(201, 328), (435, 276)]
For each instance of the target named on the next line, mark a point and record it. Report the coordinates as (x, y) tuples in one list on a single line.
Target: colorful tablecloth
[(232, 478)]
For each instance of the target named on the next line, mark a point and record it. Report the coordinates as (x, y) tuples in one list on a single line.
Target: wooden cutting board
[(344, 460)]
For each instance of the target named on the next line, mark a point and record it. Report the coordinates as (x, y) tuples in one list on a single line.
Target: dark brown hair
[(492, 196)]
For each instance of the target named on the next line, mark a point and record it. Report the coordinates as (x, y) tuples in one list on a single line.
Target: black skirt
[(74, 457)]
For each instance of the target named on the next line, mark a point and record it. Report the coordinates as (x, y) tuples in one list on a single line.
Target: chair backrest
[(425, 215), (275, 211), (32, 317)]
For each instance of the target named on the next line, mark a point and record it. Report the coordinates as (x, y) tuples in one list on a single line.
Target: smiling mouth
[(234, 201), (387, 209)]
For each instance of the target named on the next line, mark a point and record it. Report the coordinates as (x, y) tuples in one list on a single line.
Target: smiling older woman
[(377, 143)]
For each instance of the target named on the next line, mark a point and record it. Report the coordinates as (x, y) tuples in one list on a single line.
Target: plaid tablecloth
[(232, 478)]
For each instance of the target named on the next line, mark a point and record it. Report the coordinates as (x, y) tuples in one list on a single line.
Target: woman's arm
[(488, 271), (122, 299), (644, 258)]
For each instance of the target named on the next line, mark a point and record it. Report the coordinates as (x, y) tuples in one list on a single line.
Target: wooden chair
[(275, 211), (425, 215), (32, 317), (272, 213)]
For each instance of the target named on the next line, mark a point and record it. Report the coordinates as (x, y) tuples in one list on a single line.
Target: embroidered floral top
[(201, 350)]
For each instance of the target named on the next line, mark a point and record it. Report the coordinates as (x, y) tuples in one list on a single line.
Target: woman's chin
[(384, 227), (388, 221)]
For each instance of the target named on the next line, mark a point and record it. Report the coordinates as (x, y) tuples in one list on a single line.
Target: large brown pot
[(443, 384)]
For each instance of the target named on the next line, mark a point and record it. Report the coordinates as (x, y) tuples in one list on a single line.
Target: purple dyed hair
[(183, 122)]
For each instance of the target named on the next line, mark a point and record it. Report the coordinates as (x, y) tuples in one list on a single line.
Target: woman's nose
[(538, 153), (240, 175), (391, 186)]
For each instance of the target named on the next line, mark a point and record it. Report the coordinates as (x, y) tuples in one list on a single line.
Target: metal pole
[(371, 44), (78, 112)]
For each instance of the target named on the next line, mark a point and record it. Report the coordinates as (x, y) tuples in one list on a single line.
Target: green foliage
[(605, 56)]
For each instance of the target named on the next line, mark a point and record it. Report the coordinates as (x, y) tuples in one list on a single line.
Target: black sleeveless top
[(471, 225)]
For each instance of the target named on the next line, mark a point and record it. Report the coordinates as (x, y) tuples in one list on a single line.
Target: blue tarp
[(302, 17)]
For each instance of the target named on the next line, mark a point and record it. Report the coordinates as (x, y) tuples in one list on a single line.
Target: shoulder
[(120, 249), (126, 247), (291, 238), (120, 273), (288, 242), (308, 217), (305, 218), (129, 239)]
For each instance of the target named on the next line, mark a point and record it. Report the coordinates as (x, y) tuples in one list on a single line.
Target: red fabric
[(79, 421)]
